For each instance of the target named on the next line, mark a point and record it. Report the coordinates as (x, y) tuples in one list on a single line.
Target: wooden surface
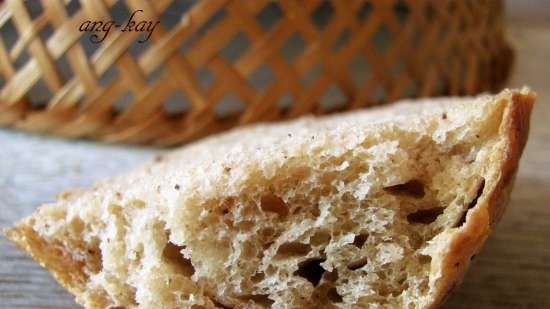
[(512, 272)]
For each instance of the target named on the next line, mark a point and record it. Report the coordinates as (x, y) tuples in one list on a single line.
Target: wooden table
[(512, 272)]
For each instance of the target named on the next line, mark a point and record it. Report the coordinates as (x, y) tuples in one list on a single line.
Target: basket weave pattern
[(222, 63)]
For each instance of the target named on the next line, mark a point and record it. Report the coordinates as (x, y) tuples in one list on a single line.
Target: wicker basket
[(210, 65)]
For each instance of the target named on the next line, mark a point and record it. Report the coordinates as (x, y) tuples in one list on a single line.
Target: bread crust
[(58, 261), (469, 239), (448, 269)]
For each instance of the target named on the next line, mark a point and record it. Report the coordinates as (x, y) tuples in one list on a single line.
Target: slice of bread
[(381, 208)]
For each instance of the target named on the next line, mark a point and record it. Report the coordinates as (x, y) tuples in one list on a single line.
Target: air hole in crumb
[(257, 277), (246, 225), (402, 280), (472, 203), (384, 290), (272, 203), (172, 253), (270, 270), (267, 245), (293, 249), (248, 251), (227, 204), (333, 295), (331, 276), (260, 299), (220, 305), (413, 188), (320, 237), (387, 291), (311, 270), (267, 232), (425, 216), (137, 204), (315, 211), (424, 259), (94, 259), (360, 240), (354, 265)]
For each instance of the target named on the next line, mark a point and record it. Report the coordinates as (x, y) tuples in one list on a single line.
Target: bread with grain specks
[(382, 208)]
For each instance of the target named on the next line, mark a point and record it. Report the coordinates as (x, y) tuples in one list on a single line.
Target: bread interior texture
[(338, 229), (347, 218)]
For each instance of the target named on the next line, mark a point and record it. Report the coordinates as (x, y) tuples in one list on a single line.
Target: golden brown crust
[(68, 272), (469, 239), (56, 258)]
